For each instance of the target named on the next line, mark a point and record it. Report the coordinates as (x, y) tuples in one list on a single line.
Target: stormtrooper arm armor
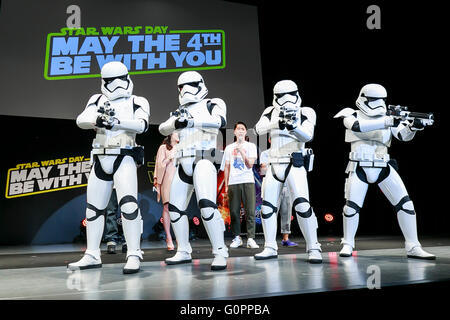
[(215, 119), (168, 126), (403, 131), (87, 119), (266, 122), (141, 114), (363, 125), (305, 131)]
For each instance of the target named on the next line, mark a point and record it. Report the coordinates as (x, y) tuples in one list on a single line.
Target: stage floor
[(244, 277)]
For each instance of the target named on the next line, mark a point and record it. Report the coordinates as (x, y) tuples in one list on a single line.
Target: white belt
[(287, 159), (379, 160), (369, 157), (379, 164), (106, 151), (280, 160)]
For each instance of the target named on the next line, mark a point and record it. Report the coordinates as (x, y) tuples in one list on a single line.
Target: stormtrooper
[(369, 131), (197, 122), (290, 127), (117, 116)]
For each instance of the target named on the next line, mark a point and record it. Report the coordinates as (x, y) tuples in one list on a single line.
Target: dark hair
[(168, 142), (245, 126), (238, 123)]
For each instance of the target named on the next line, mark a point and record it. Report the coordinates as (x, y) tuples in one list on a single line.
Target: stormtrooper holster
[(298, 159)]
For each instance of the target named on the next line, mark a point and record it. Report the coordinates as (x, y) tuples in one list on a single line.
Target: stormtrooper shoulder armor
[(141, 103), (87, 119), (218, 106), (309, 114), (267, 122), (268, 112), (218, 111), (346, 112)]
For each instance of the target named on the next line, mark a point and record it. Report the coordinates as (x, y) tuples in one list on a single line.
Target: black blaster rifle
[(402, 113)]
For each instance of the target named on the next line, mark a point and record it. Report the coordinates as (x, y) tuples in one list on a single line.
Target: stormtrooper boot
[(132, 265), (346, 251), (308, 226), (267, 253), (91, 258), (419, 253), (408, 226), (179, 258), (220, 261), (181, 230), (348, 241), (314, 256), (86, 262), (270, 231), (132, 231), (215, 227)]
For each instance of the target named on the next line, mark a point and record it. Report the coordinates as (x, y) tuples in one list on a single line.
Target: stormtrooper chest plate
[(123, 110), (283, 144), (197, 138)]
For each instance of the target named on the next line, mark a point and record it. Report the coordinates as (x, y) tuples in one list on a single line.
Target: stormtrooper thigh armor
[(106, 171), (295, 177), (395, 191), (270, 193), (203, 178)]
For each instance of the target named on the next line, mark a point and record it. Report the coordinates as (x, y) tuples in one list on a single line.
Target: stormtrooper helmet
[(116, 82), (286, 96), (191, 87), (372, 100)]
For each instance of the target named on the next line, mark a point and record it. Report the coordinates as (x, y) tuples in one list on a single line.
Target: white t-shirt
[(239, 173)]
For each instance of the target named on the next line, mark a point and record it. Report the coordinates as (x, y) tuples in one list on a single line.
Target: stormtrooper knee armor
[(369, 130), (117, 116), (290, 127), (197, 122)]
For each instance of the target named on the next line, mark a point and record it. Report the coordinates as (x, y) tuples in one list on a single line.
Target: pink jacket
[(164, 171)]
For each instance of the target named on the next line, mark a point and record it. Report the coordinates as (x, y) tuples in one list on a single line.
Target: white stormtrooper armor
[(369, 131), (290, 127), (197, 122), (116, 116)]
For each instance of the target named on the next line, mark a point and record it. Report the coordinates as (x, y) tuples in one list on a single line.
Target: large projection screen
[(50, 71)]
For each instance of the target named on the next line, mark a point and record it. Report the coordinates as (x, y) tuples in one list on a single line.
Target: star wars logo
[(46, 176), (81, 52)]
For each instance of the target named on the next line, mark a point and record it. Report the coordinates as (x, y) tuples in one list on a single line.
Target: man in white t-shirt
[(239, 158)]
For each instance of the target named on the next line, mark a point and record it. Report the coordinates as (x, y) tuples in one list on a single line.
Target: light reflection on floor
[(244, 277)]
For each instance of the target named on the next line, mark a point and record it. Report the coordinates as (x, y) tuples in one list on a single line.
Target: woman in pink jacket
[(162, 179)]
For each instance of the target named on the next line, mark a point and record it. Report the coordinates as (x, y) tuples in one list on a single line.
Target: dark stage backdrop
[(327, 49)]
